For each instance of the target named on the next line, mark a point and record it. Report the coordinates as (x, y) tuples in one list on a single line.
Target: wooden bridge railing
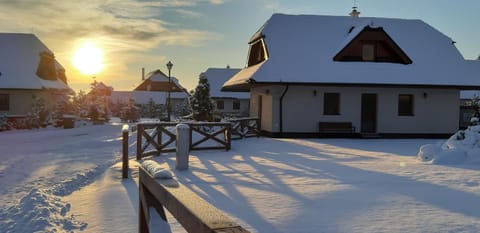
[(245, 127), (191, 211), (161, 137)]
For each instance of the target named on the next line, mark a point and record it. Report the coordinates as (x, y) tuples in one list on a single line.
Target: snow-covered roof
[(217, 77), (158, 81), (301, 49), (143, 97), (20, 57)]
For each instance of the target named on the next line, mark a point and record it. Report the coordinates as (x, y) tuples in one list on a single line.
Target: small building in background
[(234, 104), (152, 94)]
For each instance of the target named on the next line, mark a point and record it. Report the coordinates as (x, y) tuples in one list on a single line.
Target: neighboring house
[(226, 103), (387, 77), (28, 71), (154, 86)]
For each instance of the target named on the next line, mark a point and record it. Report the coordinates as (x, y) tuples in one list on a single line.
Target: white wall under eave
[(270, 120), (21, 101), (437, 112)]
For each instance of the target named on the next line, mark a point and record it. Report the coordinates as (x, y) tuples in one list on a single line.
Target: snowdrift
[(463, 146)]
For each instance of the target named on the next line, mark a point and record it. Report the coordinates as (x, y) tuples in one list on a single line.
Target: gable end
[(372, 45)]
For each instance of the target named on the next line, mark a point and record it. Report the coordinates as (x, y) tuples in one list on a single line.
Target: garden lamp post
[(169, 67)]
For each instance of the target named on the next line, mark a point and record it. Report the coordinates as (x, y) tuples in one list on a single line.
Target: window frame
[(236, 105), (331, 103), (406, 107), (368, 52)]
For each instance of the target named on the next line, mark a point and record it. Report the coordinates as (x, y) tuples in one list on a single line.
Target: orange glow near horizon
[(88, 58)]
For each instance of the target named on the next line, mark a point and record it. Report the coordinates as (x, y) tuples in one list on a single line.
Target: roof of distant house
[(217, 77), (301, 49), (21, 55), (158, 81)]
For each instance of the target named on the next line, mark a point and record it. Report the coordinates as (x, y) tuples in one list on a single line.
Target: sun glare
[(88, 59)]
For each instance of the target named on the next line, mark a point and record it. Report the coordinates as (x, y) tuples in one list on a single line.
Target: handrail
[(191, 211)]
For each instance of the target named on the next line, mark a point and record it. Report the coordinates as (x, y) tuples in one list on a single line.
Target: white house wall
[(437, 112), (266, 120), (21, 101), (228, 106)]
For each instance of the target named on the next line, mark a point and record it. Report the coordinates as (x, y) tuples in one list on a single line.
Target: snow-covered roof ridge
[(301, 50), (217, 77), (20, 56)]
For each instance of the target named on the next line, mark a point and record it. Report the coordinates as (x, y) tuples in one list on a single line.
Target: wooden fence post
[(125, 151), (139, 141)]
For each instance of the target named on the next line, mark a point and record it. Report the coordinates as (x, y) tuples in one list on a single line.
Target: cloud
[(128, 21), (217, 1), (125, 29)]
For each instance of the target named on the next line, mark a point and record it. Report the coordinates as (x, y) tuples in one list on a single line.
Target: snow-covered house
[(383, 76), (226, 103), (28, 72), (154, 87)]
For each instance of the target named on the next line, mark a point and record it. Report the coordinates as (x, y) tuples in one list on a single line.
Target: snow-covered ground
[(55, 180)]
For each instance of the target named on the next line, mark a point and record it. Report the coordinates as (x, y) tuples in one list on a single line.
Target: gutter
[(281, 108)]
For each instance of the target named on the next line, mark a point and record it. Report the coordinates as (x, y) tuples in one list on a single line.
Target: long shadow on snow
[(306, 166)]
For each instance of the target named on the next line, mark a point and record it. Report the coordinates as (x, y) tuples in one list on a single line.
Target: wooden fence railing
[(125, 151), (157, 138), (191, 211), (245, 127)]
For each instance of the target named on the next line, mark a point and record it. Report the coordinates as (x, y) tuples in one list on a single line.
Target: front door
[(369, 113)]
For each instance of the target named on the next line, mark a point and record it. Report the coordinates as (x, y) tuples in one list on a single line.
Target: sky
[(197, 34)]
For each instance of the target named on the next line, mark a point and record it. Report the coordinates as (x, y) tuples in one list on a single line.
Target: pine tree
[(200, 102), (39, 113), (80, 104), (475, 105)]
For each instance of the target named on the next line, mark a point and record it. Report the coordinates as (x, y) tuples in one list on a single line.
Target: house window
[(4, 102), (368, 52), (220, 104), (257, 53), (405, 105), (236, 105), (331, 104)]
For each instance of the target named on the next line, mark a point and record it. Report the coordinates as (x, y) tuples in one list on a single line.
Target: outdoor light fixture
[(169, 67), (314, 92), (425, 95)]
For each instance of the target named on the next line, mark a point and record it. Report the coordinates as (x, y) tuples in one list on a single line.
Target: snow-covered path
[(40, 166)]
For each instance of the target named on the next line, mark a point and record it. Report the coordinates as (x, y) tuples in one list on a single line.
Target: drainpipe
[(281, 108)]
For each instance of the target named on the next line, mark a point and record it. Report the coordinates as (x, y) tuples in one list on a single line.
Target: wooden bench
[(191, 211), (336, 127)]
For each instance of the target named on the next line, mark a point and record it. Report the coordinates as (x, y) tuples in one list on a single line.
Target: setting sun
[(88, 59)]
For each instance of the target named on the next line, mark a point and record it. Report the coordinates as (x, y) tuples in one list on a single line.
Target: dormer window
[(257, 53)]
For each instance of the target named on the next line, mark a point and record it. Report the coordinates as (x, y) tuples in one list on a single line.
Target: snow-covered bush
[(474, 120), (462, 146)]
